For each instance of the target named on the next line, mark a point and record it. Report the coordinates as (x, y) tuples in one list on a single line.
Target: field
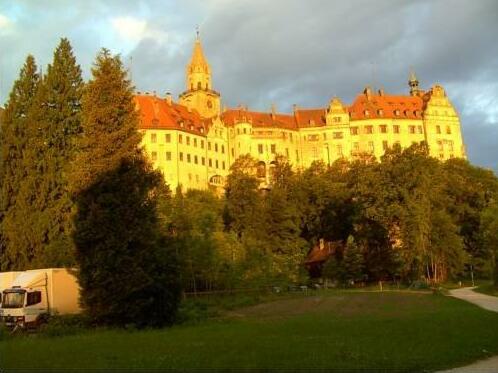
[(340, 330)]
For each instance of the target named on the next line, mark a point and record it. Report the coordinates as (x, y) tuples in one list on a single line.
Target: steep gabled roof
[(385, 106), (158, 113)]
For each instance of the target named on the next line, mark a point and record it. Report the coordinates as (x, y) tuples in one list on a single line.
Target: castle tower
[(413, 83), (199, 95)]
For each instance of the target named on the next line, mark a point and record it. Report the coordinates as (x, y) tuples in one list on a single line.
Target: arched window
[(199, 86), (261, 170)]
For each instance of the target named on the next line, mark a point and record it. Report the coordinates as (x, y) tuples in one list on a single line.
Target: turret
[(413, 83), (199, 94)]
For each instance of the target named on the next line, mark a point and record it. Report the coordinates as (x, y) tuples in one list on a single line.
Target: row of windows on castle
[(368, 129)]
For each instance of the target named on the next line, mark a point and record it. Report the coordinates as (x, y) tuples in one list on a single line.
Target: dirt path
[(482, 300), (489, 303)]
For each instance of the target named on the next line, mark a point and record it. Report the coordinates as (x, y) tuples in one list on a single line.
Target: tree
[(489, 229), (45, 207), (13, 144), (127, 268), (353, 262)]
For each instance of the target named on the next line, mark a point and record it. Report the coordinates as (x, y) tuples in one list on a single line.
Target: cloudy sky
[(282, 52)]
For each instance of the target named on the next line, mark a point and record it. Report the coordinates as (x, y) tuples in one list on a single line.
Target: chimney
[(154, 93), (368, 92), (273, 111), (169, 100), (381, 92)]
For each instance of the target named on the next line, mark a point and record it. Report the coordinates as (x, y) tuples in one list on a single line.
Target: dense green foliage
[(37, 228), (127, 271), (341, 331), (14, 135)]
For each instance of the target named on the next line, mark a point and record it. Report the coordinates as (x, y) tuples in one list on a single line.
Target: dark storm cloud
[(290, 51)]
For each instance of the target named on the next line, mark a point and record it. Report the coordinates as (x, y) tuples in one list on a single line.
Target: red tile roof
[(385, 106), (157, 113)]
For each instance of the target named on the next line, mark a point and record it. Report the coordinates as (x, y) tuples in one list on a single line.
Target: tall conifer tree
[(13, 143), (46, 203), (127, 274)]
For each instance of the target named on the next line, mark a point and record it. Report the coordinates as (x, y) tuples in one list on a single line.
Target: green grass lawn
[(488, 289), (341, 330)]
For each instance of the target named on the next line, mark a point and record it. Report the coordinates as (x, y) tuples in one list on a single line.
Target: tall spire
[(198, 63)]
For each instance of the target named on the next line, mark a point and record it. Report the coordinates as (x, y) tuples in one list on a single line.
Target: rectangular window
[(202, 144), (396, 128), (315, 152), (167, 137), (153, 138), (33, 298), (325, 136), (339, 150), (168, 156), (222, 149), (384, 145), (338, 135), (383, 128), (448, 130), (154, 156), (181, 156), (354, 131), (260, 148), (195, 142), (411, 129), (216, 147), (233, 152), (188, 140), (223, 164), (419, 129), (196, 160), (450, 145), (290, 136), (188, 158), (356, 146), (273, 148), (217, 164), (369, 129), (210, 162), (337, 119), (203, 161), (287, 152), (209, 145), (180, 139), (371, 147), (438, 130)]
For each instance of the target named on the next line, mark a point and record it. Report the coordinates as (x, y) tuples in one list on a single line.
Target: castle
[(193, 142)]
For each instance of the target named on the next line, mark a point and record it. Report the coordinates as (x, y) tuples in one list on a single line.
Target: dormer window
[(181, 124), (396, 112), (201, 129), (366, 112), (380, 112), (312, 122)]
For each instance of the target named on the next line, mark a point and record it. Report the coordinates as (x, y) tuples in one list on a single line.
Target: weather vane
[(197, 31)]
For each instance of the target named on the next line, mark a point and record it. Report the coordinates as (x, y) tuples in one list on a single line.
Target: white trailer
[(35, 294)]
